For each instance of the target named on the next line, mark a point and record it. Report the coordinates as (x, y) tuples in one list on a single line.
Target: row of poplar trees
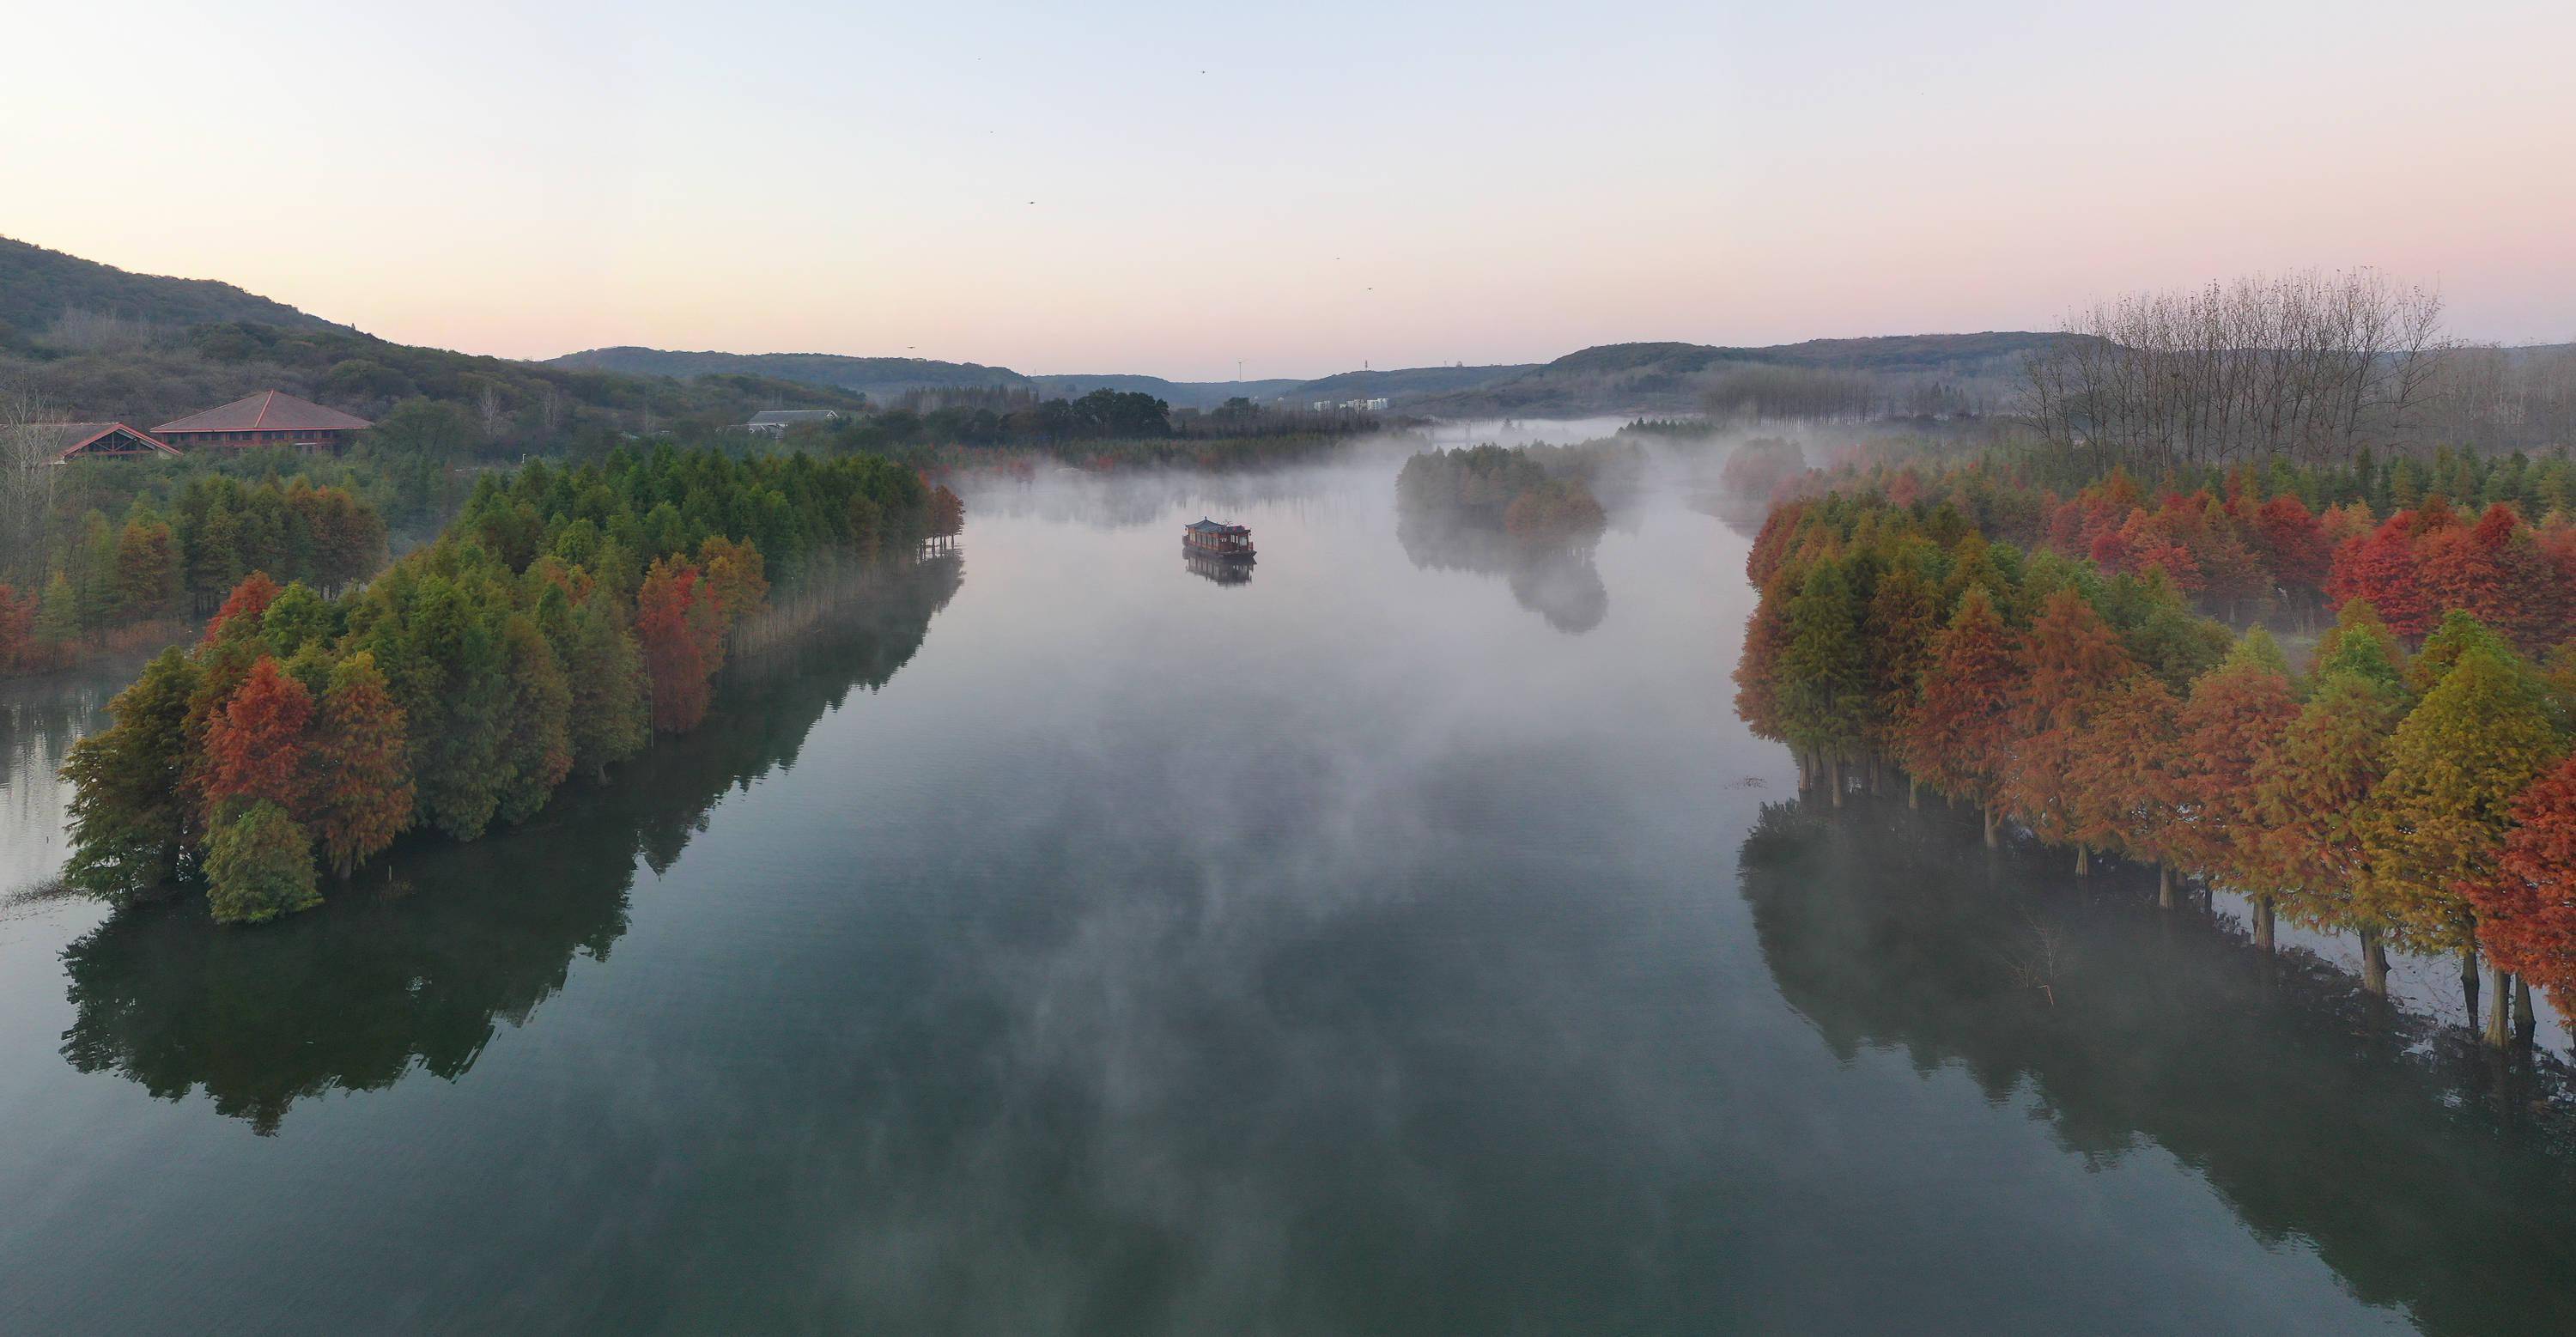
[(563, 619), (2421, 795)]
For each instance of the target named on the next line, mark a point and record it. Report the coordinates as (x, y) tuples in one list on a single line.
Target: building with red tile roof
[(269, 418), (94, 440)]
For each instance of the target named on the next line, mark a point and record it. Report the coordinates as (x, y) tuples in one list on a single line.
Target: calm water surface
[(1077, 942)]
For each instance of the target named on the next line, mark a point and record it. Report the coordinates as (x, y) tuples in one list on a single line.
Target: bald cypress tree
[(2234, 720), (1957, 734), (130, 810), (1897, 634), (2527, 912), (2071, 665), (361, 768), (1824, 681), (2437, 821)]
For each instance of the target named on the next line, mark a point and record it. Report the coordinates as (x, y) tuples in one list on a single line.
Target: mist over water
[(1075, 941)]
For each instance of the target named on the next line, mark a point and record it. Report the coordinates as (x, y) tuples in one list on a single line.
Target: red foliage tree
[(2230, 726), (1757, 669), (2382, 568), (255, 746), (17, 628), (2122, 775), (2293, 544), (249, 599), (1957, 733), (2527, 914), (359, 766), (670, 612), (2071, 666)]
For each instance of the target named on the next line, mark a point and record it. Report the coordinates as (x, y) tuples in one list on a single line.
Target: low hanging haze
[(1168, 188)]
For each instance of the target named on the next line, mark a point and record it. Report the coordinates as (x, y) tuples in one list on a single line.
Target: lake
[(1073, 939)]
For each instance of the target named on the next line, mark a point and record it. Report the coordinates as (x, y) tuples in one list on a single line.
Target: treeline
[(994, 417), (2419, 797), (1761, 393), (418, 981), (1533, 494), (566, 616), (2311, 366), (112, 582), (150, 373), (2248, 544)]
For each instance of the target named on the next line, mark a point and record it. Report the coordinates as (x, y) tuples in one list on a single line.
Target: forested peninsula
[(2069, 662), (563, 618)]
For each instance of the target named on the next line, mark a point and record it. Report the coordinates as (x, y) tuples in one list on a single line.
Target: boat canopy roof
[(1213, 527)]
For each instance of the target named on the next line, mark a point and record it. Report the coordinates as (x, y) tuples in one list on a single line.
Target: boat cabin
[(1209, 538)]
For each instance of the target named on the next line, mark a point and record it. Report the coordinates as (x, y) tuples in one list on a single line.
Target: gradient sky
[(1168, 188)]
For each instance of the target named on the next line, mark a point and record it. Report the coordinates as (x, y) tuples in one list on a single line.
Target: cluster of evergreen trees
[(2412, 786), (560, 620), (1533, 494), (179, 562)]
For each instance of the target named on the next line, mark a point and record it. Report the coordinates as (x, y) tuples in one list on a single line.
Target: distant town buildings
[(1377, 405), (269, 419), (773, 422)]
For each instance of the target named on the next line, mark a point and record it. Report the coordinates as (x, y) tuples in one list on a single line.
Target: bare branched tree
[(2311, 365), (27, 474)]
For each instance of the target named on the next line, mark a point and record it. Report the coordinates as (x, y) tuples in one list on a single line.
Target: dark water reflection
[(1558, 582), (417, 972), (1217, 570), (2430, 1175), (1387, 962)]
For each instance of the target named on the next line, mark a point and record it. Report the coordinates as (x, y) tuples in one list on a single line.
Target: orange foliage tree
[(359, 766), (255, 746), (2232, 723), (1958, 732), (2527, 913), (249, 599), (2071, 666), (672, 613)]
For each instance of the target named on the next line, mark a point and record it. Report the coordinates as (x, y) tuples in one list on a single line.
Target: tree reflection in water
[(2125, 1026), (1556, 581), (411, 973)]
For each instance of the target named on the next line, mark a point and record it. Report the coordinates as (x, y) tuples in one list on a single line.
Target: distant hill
[(1406, 383), (37, 286), (1673, 377), (1608, 379), (883, 378), (878, 378), (1178, 394)]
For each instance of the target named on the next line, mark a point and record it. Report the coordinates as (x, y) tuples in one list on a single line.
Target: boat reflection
[(1221, 570)]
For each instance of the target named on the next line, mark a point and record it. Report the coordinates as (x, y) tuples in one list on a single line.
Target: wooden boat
[(1209, 538)]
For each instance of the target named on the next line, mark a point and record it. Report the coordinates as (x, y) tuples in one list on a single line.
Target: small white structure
[(773, 422)]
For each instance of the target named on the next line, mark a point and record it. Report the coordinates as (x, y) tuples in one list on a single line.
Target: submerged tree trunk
[(2083, 861), (1834, 776), (2164, 886), (2263, 923), (2500, 1011), (2525, 1025), (2469, 981), (1992, 840), (1913, 793), (2374, 963)]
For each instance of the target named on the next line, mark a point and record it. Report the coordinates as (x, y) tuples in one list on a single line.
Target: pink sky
[(1398, 186)]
